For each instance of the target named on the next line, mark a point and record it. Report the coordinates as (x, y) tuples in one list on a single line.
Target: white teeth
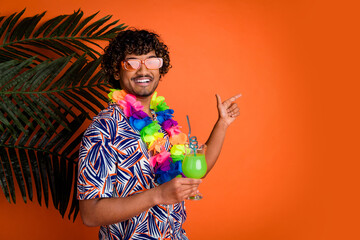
[(143, 81)]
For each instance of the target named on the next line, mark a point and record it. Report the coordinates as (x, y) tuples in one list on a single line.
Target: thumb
[(218, 99)]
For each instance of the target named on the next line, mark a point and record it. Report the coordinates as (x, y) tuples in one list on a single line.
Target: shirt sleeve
[(97, 161)]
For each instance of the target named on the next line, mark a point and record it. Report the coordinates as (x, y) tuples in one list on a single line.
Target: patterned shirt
[(114, 162)]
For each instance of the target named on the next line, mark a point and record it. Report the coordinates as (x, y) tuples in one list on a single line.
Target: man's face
[(141, 82)]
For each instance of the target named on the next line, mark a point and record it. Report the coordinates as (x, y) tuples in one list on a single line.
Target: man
[(116, 184)]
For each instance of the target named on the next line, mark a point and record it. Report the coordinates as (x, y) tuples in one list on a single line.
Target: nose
[(143, 69)]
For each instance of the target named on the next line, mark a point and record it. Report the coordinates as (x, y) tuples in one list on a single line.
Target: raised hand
[(228, 110)]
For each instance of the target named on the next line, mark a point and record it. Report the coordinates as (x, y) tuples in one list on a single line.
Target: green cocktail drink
[(194, 166)]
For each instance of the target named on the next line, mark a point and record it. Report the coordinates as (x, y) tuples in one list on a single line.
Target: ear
[(117, 76)]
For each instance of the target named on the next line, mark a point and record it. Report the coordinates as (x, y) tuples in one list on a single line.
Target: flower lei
[(167, 165)]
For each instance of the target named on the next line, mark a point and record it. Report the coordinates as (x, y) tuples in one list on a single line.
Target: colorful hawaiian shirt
[(114, 162)]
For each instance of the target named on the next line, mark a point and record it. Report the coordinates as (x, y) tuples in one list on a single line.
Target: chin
[(146, 93)]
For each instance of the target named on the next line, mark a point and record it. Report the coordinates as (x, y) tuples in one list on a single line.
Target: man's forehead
[(147, 55)]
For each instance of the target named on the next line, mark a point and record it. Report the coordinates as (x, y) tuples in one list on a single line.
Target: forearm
[(214, 144), (105, 211)]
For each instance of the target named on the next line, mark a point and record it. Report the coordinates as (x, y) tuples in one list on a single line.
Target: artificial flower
[(159, 158), (165, 166), (174, 130), (178, 139), (158, 145), (139, 124), (118, 95), (168, 124), (150, 139), (177, 158), (158, 103), (177, 150), (164, 115), (139, 114), (130, 105), (162, 106), (148, 133), (155, 100), (165, 176)]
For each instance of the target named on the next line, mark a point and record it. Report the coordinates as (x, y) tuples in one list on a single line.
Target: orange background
[(289, 165)]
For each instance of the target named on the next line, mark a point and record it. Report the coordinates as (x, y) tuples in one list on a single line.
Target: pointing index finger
[(237, 96), (232, 99)]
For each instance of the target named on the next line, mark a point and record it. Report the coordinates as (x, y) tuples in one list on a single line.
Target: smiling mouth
[(142, 80)]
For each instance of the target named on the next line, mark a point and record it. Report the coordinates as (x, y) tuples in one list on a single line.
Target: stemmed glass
[(194, 165)]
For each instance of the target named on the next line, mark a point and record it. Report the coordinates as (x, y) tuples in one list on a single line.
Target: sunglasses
[(135, 64)]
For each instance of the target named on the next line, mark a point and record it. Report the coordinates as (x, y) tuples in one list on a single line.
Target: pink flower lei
[(167, 165)]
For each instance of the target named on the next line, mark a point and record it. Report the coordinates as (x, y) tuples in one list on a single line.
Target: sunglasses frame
[(141, 62)]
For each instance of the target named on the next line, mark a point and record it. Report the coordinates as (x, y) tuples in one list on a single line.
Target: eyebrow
[(129, 58)]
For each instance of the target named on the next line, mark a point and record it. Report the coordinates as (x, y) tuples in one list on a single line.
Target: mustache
[(142, 76)]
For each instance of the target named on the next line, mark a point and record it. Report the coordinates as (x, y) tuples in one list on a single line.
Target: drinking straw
[(193, 143), (188, 121)]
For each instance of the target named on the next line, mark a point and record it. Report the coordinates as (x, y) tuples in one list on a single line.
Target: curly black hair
[(132, 41)]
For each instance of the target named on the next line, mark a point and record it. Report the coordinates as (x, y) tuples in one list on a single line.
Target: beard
[(146, 92), (141, 91)]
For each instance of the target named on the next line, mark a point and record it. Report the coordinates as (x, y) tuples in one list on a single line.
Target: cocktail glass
[(194, 166)]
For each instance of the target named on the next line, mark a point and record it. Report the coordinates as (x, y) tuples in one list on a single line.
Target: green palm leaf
[(59, 35), (50, 83)]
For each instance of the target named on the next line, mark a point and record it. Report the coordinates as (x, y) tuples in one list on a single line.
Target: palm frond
[(59, 35), (50, 83)]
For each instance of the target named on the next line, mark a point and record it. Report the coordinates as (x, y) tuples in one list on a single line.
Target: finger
[(190, 181), (230, 100), (232, 107), (190, 185), (237, 96), (190, 192), (234, 115), (218, 99), (233, 110), (194, 193), (188, 189)]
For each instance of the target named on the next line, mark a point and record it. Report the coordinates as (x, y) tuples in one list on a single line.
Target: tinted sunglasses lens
[(132, 64), (153, 63)]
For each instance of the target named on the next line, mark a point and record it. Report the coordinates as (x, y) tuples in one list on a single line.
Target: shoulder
[(107, 122), (111, 113)]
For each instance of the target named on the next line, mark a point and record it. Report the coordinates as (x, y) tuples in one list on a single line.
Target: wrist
[(155, 196), (222, 124)]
